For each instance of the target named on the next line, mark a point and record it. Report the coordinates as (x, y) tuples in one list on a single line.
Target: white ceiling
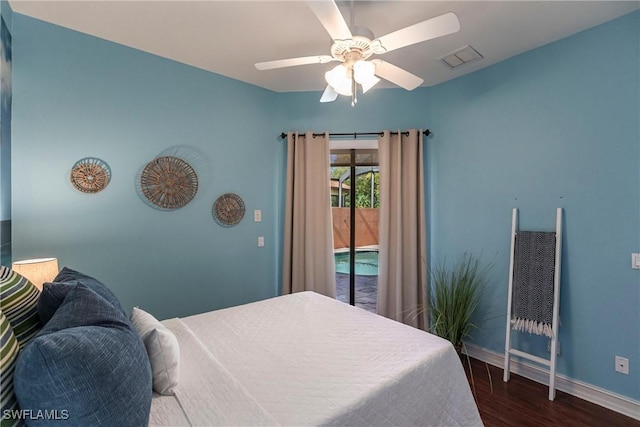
[(229, 37)]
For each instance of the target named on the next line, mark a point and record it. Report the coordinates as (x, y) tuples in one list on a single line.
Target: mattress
[(305, 359)]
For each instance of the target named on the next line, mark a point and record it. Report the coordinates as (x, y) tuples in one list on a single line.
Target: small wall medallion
[(90, 175), (228, 210)]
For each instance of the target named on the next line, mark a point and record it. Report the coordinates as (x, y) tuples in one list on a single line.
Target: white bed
[(305, 359)]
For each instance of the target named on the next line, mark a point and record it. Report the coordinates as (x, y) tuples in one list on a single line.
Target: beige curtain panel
[(402, 276), (308, 263)]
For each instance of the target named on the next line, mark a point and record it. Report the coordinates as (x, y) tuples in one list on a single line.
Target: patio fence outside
[(366, 227)]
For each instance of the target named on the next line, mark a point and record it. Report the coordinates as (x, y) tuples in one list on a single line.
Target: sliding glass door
[(355, 198)]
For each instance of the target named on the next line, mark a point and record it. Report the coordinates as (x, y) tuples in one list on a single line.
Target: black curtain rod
[(427, 132)]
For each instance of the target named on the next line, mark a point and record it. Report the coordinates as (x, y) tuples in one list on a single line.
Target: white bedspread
[(305, 359)]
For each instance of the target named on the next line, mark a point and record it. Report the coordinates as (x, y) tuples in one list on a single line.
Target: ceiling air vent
[(460, 57)]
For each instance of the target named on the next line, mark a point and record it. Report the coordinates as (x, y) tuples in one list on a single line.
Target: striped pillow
[(8, 356), (19, 301)]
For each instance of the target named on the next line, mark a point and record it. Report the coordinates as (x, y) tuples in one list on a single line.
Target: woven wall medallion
[(228, 210), (168, 182), (90, 175)]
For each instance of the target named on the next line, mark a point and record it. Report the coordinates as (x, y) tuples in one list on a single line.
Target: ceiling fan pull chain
[(354, 91)]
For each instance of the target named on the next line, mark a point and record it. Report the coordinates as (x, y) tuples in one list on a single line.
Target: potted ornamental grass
[(455, 295)]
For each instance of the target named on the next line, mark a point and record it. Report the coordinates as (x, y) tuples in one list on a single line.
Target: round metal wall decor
[(90, 175), (168, 182), (228, 210)]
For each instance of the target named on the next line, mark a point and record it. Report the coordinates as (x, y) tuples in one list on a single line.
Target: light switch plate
[(257, 215), (635, 261)]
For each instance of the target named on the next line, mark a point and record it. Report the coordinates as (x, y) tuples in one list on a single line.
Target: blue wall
[(78, 96), (555, 127), (376, 110)]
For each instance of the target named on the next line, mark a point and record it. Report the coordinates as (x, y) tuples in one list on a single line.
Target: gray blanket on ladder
[(533, 273)]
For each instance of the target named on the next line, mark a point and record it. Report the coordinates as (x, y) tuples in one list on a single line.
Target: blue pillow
[(87, 367), (50, 300)]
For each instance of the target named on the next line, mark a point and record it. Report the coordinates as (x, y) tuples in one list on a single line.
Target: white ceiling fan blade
[(397, 75), (330, 17), (329, 95), (422, 31), (292, 62)]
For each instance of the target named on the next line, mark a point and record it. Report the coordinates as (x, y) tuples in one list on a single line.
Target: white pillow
[(162, 348)]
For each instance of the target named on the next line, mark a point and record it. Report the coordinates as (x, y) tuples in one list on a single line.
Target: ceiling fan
[(354, 45)]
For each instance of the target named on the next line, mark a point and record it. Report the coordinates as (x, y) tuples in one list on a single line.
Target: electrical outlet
[(557, 347), (260, 241), (622, 365)]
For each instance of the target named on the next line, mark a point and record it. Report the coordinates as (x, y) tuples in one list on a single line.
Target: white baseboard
[(588, 392)]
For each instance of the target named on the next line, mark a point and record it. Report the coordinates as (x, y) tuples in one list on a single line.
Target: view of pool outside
[(366, 262), (366, 278)]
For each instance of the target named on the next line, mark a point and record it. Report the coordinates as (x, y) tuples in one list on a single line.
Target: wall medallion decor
[(168, 183), (90, 175), (228, 210)]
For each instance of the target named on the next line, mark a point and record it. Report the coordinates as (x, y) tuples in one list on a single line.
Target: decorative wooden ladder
[(508, 350)]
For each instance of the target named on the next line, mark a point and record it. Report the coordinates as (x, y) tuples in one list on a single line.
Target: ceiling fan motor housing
[(360, 46)]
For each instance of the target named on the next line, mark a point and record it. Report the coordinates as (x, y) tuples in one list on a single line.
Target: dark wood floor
[(522, 402)]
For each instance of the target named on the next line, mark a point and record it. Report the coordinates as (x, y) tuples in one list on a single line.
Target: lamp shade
[(38, 270), (363, 71), (369, 84), (339, 79)]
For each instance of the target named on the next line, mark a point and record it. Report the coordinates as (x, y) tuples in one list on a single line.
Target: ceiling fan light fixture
[(369, 84), (344, 88), (364, 74), (339, 79), (363, 71)]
